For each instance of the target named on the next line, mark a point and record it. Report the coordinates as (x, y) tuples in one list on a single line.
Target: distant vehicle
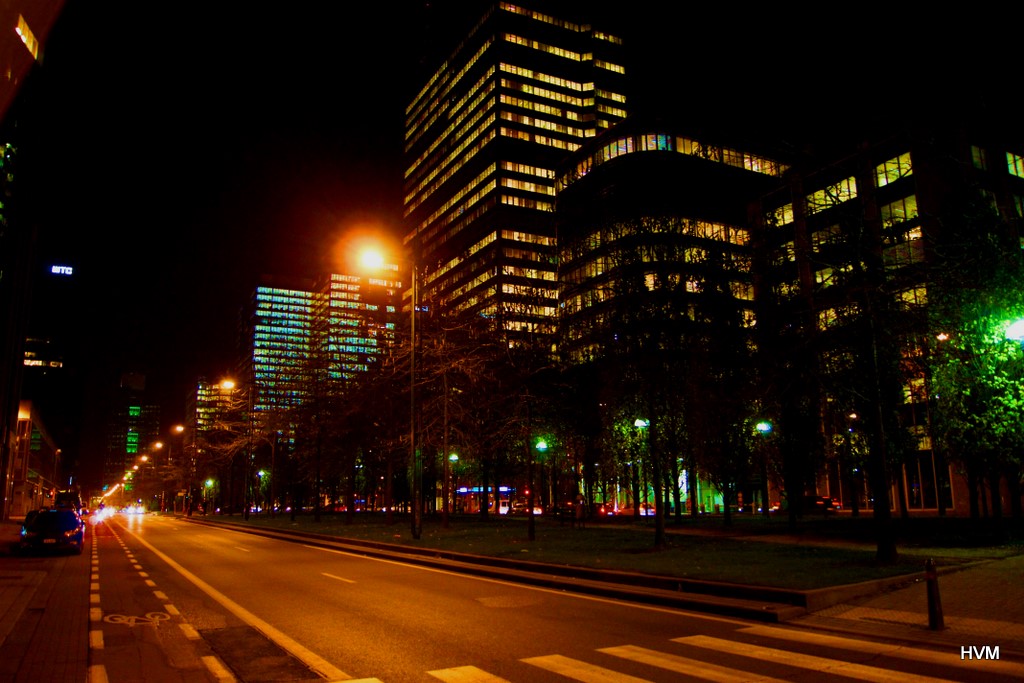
[(646, 510), (58, 529), (602, 509), (523, 509), (818, 504)]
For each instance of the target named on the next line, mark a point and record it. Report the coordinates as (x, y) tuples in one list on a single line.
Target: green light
[(1015, 331), (542, 445), (641, 423), (764, 427)]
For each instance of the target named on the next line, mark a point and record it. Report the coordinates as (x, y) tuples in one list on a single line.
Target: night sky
[(176, 150)]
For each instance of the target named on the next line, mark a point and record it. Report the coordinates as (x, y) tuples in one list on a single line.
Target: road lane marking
[(190, 632), (913, 654), (95, 614), (151, 583), (465, 674), (98, 674), (814, 663), (581, 671), (683, 665), (219, 671), (339, 578), (96, 640), (172, 610), (305, 655), (244, 550)]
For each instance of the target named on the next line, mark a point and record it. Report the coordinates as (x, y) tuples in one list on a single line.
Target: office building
[(302, 331), (277, 332), (857, 255), (483, 138), (354, 321), (133, 427)]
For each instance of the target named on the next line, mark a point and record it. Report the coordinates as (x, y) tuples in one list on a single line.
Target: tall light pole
[(374, 260)]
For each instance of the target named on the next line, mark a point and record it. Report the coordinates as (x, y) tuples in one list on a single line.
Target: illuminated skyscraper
[(483, 137), (280, 324), (354, 321), (338, 325)]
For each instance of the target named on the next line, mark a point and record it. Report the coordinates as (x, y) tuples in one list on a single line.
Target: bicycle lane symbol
[(150, 618)]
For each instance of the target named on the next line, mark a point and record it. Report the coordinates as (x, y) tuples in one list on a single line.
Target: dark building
[(861, 254)]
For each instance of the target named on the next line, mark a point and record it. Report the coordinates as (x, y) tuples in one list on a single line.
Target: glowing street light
[(373, 259)]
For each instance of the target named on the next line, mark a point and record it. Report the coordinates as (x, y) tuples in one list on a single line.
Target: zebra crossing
[(773, 651)]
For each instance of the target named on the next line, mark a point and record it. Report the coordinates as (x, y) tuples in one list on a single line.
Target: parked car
[(57, 529), (818, 504)]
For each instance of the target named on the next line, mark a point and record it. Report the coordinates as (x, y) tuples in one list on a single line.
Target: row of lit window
[(609, 66), (527, 186), (540, 107), (280, 295), (450, 226), (528, 291), (530, 273), (459, 127), (537, 91), (611, 111), (543, 124), (609, 95), (528, 237), (539, 139), (434, 95), (435, 275), (832, 195), (483, 178), (527, 203), (476, 96), (462, 154), (549, 49), (661, 142), (546, 78)]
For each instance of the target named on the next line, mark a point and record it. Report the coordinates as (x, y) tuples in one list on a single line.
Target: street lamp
[(641, 424), (230, 385), (373, 259), (764, 429)]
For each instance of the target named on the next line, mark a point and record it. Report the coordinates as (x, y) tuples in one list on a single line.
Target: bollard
[(935, 620)]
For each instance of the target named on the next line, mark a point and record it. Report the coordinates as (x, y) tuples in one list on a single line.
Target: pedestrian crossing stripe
[(802, 661), (683, 665), (581, 671), (465, 674), (947, 658)]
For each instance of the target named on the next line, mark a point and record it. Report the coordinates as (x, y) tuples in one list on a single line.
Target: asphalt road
[(274, 610)]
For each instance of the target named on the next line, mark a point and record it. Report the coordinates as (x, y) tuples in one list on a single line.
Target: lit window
[(1015, 164), (978, 157), (893, 169), (899, 211)]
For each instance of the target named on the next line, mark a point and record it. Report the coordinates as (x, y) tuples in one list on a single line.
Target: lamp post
[(764, 429), (373, 259), (230, 385), (641, 424)]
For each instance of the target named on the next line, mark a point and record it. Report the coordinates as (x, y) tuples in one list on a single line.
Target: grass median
[(814, 554)]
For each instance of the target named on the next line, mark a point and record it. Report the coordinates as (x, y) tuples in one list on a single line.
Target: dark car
[(818, 504), (60, 529)]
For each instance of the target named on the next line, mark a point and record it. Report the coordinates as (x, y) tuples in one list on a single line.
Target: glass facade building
[(483, 138)]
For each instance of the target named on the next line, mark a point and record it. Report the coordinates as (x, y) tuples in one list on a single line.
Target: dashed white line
[(339, 578)]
